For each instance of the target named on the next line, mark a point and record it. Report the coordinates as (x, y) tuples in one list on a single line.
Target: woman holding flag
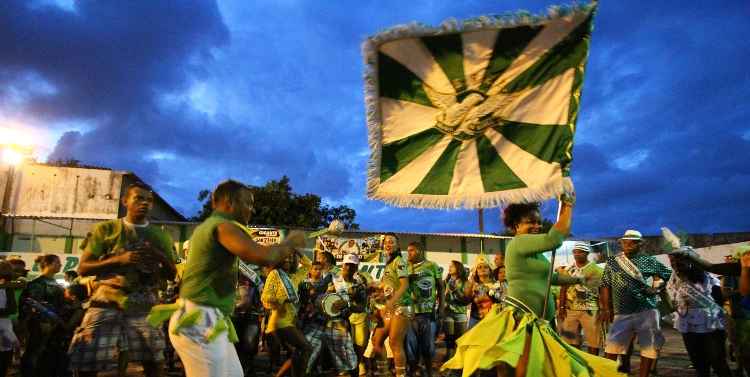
[(517, 339)]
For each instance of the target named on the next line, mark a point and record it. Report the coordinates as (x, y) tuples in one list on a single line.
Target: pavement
[(673, 362)]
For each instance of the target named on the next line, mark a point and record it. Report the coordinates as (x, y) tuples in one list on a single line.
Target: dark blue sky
[(187, 93)]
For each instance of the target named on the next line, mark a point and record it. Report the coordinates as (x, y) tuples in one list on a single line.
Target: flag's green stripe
[(567, 54), (575, 102), (438, 180), (398, 82), (495, 173), (448, 53), (510, 43), (400, 153), (547, 143), (575, 98)]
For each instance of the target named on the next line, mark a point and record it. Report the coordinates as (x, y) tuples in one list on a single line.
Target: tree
[(343, 213), (277, 205)]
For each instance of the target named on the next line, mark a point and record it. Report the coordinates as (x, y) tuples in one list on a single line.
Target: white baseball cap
[(583, 246), (351, 258), (631, 234)]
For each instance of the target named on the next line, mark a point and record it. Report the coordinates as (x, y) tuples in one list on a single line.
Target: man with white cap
[(579, 304), (345, 317), (634, 301)]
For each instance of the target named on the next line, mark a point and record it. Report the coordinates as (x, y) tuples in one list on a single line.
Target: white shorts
[(644, 325), (200, 357), (577, 320)]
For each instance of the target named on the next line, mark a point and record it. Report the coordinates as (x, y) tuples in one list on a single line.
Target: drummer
[(346, 297), (353, 284)]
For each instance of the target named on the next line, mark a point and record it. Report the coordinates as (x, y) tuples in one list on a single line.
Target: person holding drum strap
[(346, 296), (356, 285)]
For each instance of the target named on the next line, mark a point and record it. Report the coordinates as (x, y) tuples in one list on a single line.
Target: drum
[(327, 304)]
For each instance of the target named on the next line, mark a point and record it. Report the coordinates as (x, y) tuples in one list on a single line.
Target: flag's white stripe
[(467, 177), (546, 104), (408, 178), (413, 54), (403, 118), (552, 33), (534, 172), (478, 47)]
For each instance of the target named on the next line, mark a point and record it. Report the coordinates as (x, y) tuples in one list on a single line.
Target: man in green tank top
[(201, 329)]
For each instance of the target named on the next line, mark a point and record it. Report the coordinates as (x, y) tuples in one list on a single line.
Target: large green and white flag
[(475, 114)]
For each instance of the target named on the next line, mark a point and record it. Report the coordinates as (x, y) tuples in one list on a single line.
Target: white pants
[(199, 357)]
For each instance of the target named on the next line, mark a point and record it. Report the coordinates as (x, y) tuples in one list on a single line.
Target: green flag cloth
[(475, 114)]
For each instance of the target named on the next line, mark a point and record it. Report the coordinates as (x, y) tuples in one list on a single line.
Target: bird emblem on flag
[(475, 114)]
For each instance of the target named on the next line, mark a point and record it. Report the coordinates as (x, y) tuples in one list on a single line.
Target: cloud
[(188, 93)]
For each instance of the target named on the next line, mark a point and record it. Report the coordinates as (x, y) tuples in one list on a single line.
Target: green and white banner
[(475, 114)]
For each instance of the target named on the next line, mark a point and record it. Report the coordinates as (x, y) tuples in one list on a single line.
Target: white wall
[(50, 191)]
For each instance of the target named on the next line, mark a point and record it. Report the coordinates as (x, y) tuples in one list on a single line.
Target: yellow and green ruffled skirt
[(500, 338)]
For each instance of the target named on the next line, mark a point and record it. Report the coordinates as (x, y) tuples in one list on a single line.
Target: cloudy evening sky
[(187, 93)]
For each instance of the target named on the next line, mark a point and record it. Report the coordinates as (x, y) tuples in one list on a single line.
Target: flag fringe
[(551, 190), (374, 134)]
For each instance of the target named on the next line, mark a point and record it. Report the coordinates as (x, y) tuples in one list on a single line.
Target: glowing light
[(12, 156), (16, 145), (9, 136)]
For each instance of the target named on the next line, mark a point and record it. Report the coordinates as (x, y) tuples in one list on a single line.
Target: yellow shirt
[(284, 315)]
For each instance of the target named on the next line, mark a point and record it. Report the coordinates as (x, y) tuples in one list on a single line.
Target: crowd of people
[(230, 297)]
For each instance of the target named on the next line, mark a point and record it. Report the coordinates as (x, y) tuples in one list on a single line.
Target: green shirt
[(138, 283), (423, 278), (527, 269), (628, 294), (455, 301), (210, 276), (580, 296), (392, 274)]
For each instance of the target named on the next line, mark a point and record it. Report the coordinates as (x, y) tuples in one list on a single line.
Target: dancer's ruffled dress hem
[(500, 338)]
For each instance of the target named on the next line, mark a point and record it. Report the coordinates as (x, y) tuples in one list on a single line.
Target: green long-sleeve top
[(527, 269)]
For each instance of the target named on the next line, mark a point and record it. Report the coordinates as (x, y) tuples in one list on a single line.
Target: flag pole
[(480, 213), (551, 271)]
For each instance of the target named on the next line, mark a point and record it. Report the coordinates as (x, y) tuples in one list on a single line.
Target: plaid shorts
[(105, 333), (336, 338)]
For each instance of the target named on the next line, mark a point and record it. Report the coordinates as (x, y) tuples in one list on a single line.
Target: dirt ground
[(674, 361)]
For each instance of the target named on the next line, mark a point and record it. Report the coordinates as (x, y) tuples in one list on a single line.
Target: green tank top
[(210, 276)]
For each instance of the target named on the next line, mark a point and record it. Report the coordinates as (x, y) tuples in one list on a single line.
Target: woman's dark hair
[(513, 213), (496, 272), (46, 260), (689, 270), (462, 274), (396, 252)]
